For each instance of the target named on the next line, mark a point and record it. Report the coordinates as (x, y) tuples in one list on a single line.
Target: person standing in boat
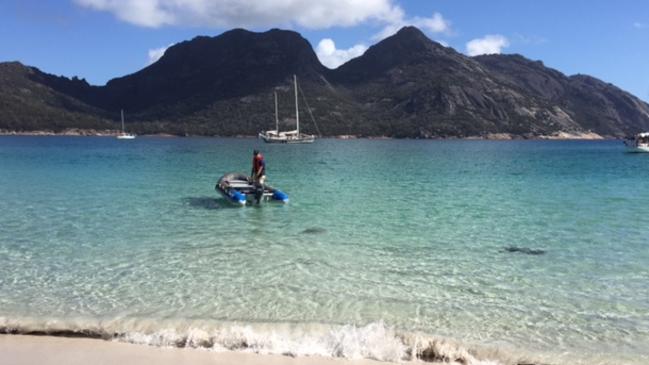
[(258, 174)]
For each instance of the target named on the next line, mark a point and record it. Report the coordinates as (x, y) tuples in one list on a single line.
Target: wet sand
[(36, 350)]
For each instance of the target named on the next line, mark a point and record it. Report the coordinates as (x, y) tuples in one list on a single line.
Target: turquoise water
[(501, 250)]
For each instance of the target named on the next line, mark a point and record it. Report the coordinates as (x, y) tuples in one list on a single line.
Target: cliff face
[(404, 86), (585, 102)]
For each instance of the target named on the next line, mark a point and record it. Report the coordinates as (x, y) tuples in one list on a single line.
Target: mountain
[(418, 84), (580, 101), (236, 64), (27, 103), (403, 86)]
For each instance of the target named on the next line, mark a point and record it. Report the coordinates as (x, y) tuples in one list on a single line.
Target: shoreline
[(373, 342), (36, 350), (563, 136), (75, 132)]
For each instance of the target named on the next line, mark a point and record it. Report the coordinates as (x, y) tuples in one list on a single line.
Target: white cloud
[(489, 44), (639, 25), (249, 13), (434, 24), (147, 13), (156, 53), (332, 57)]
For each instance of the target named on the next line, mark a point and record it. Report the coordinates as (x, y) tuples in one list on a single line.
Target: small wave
[(375, 341)]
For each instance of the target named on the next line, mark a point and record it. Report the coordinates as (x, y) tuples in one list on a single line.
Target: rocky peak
[(406, 47), (235, 63)]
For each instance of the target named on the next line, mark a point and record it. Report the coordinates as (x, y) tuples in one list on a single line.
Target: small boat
[(123, 134), (640, 143), (238, 189), (294, 136)]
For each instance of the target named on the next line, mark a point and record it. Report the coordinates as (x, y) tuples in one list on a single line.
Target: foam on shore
[(375, 341), (20, 350)]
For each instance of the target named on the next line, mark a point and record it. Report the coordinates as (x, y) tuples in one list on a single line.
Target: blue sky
[(102, 39)]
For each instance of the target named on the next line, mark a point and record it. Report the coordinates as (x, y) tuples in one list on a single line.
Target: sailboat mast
[(297, 111), (122, 110), (276, 118)]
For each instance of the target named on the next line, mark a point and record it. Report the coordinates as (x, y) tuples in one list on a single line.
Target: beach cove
[(509, 251)]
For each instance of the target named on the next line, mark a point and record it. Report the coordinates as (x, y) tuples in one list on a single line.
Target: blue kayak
[(238, 189)]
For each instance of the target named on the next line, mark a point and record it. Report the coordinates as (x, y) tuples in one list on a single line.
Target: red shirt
[(257, 163)]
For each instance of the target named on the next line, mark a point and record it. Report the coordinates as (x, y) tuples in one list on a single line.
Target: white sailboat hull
[(123, 134), (287, 138), (636, 146)]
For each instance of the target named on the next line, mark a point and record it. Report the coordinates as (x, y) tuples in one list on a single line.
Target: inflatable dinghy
[(238, 189)]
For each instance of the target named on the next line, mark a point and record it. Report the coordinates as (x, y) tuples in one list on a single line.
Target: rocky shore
[(65, 132), (72, 132), (489, 136)]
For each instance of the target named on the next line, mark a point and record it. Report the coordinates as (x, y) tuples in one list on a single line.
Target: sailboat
[(294, 136), (123, 134)]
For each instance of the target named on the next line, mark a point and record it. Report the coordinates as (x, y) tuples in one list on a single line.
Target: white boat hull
[(638, 148), (633, 146), (123, 134), (303, 138)]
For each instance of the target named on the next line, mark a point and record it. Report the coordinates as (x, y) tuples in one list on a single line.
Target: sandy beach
[(32, 350)]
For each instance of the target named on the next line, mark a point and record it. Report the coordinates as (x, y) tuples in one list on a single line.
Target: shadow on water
[(205, 202), (314, 230), (524, 250), (209, 202)]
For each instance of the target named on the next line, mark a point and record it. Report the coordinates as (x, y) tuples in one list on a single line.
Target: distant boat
[(294, 136), (123, 134), (640, 143)]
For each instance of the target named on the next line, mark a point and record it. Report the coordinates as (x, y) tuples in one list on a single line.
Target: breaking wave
[(375, 341)]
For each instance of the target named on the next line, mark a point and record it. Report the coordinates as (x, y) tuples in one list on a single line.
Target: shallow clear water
[(385, 236)]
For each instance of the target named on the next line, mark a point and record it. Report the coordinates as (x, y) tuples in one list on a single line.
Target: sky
[(102, 39)]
